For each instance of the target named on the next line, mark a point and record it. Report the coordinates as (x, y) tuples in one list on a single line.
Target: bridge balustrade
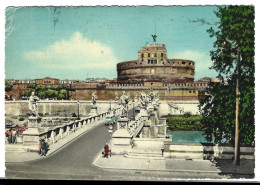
[(54, 134)]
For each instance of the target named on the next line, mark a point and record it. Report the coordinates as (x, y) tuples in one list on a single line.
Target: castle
[(172, 79)]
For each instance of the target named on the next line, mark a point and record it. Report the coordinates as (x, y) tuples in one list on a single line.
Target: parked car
[(110, 120)]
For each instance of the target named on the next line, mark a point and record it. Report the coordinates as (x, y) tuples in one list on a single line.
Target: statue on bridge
[(124, 102), (116, 99), (94, 99), (143, 99), (151, 96), (33, 109)]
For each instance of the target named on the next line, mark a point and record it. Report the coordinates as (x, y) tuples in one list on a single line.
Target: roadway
[(74, 161)]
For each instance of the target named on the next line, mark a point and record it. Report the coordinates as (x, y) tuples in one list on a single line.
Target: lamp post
[(78, 111), (133, 110)]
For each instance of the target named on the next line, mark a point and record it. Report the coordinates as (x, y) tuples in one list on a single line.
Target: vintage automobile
[(110, 120)]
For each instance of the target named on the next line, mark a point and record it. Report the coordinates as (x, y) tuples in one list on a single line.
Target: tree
[(235, 31), (49, 93), (8, 86), (41, 94)]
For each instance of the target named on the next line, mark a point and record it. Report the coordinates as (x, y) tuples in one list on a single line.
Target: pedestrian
[(43, 148), (14, 134), (106, 150), (46, 140), (40, 147), (6, 136), (10, 136)]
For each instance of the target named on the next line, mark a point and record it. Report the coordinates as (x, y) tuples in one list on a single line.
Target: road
[(75, 162)]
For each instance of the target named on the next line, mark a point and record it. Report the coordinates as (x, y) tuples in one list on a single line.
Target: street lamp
[(78, 111), (133, 110)]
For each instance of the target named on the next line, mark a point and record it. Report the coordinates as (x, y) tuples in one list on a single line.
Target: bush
[(184, 122)]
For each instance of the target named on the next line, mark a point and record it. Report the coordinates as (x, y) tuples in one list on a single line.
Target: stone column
[(53, 136), (61, 132)]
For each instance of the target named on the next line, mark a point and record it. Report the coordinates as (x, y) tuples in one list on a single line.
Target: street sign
[(110, 127)]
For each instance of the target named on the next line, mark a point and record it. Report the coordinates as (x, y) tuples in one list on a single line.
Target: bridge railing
[(54, 134)]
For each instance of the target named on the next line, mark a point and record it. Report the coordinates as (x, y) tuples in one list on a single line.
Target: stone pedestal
[(150, 107), (32, 135), (121, 138), (143, 113), (93, 111)]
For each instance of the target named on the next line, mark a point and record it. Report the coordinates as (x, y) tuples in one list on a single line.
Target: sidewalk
[(175, 165), (14, 152)]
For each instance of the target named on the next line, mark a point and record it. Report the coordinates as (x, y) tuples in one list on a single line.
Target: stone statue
[(33, 109), (154, 37), (151, 96), (116, 97), (143, 99), (124, 102), (94, 98), (135, 99)]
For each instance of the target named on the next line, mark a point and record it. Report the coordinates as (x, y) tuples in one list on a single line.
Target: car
[(110, 120)]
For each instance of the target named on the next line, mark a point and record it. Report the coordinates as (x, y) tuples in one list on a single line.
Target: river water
[(189, 136)]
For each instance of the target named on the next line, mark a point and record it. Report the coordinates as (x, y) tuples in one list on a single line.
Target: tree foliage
[(8, 86), (48, 91), (236, 30)]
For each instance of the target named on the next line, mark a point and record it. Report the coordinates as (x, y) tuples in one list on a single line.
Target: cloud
[(202, 61), (77, 52)]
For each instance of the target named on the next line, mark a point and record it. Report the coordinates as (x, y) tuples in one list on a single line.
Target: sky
[(87, 42)]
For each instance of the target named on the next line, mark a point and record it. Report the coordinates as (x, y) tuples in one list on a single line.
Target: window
[(155, 54), (148, 61), (161, 54), (148, 54)]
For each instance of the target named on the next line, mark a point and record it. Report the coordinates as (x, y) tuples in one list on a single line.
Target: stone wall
[(178, 107), (178, 93), (204, 151), (56, 108)]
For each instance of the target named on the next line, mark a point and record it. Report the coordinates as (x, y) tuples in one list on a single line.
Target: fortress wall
[(186, 106), (109, 94), (56, 108)]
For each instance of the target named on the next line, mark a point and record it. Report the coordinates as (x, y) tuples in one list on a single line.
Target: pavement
[(175, 165), (14, 153)]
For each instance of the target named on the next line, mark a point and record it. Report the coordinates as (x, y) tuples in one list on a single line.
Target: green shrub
[(184, 122)]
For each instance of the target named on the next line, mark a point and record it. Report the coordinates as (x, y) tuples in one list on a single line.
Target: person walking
[(43, 148), (10, 136), (14, 134), (40, 147), (106, 150)]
